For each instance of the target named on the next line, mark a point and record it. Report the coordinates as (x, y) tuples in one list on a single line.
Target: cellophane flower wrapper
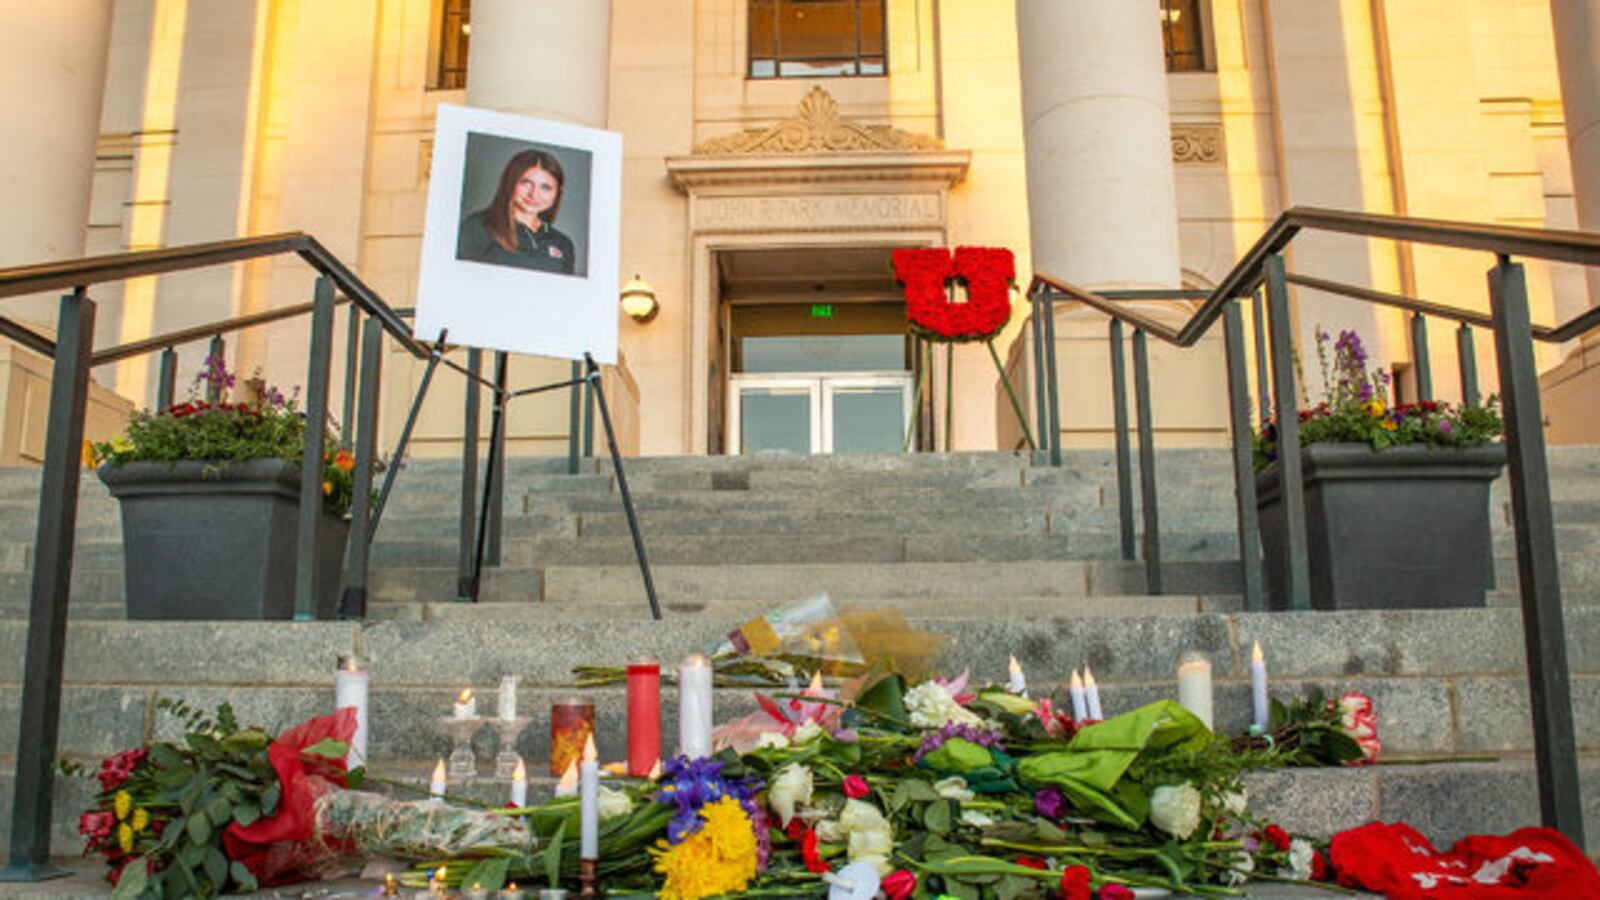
[(419, 829)]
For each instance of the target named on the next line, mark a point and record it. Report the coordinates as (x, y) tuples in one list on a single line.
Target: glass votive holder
[(571, 724)]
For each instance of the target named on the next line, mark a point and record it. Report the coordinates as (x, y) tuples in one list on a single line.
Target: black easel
[(495, 463)]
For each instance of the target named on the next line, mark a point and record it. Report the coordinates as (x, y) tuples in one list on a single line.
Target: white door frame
[(821, 387)]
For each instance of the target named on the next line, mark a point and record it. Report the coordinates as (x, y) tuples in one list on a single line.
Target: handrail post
[(588, 419), (1291, 501), (167, 380), (316, 430), (33, 797), (1147, 463), (573, 400), (1422, 366), (1040, 409), (352, 347), (353, 600), (218, 351), (1258, 322), (1467, 358), (1119, 415), (466, 590), (1051, 387), (1539, 579), (1244, 478), (497, 472)]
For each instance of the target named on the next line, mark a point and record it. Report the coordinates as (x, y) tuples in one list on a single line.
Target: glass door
[(865, 414), (774, 415), (835, 413)]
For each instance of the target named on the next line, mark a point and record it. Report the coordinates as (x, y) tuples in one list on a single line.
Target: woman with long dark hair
[(517, 228)]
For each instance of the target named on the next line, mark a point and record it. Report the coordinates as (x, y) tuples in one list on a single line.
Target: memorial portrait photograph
[(520, 247)]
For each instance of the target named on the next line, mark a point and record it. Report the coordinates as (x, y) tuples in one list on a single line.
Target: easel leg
[(497, 424), (593, 375), (405, 435)]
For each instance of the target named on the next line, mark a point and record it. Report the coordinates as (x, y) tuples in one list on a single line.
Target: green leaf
[(887, 699), (245, 741), (165, 756), (957, 755), (204, 744), (487, 874), (356, 777), (243, 877), (552, 857), (246, 814), (938, 817), (216, 866), (269, 800), (135, 881), (1012, 887), (328, 748), (219, 810), (199, 828)]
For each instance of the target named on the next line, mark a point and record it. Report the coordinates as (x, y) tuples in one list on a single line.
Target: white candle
[(506, 699), (1259, 703), (1091, 695), (694, 706), (1080, 708), (568, 785), (519, 785), (436, 784), (1194, 684), (1016, 682), (350, 689), (589, 804), (466, 705)]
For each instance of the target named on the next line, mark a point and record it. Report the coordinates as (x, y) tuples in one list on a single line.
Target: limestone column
[(549, 59), (1101, 196), (52, 74), (1576, 24)]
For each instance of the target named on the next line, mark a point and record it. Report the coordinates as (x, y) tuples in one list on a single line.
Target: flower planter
[(1402, 528), (217, 541)]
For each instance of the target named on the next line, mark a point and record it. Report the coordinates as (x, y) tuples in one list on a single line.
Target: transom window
[(816, 38), (450, 42), (1182, 34)]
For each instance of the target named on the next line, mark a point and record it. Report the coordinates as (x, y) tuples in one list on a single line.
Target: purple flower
[(690, 784), (1050, 803), (935, 739), (1445, 427), (1252, 844)]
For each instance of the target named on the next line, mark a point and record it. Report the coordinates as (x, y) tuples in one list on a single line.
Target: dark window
[(450, 55), (1183, 35), (816, 38)]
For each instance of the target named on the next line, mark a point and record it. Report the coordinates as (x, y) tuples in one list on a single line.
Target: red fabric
[(1398, 862), (278, 849)]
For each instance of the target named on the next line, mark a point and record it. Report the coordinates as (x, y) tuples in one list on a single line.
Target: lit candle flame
[(697, 661), (569, 780), (655, 771), (1255, 653), (439, 772), (1016, 669), (589, 754), (816, 683), (1077, 681), (521, 772), (1088, 678), (466, 695)]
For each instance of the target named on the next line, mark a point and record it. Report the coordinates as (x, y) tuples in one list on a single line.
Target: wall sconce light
[(639, 300)]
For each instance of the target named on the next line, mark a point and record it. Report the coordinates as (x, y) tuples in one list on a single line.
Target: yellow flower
[(125, 838), (1389, 424), (141, 819), (720, 858), (327, 487), (121, 444), (122, 804), (1374, 408), (88, 454)]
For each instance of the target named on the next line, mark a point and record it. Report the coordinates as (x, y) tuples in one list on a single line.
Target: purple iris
[(690, 784), (935, 739), (1050, 803)]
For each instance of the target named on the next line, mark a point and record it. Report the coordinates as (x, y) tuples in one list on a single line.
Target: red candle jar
[(571, 723), (644, 715)]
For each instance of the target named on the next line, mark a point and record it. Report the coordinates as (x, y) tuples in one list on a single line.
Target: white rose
[(771, 740), (976, 819), (806, 733), (953, 788), (790, 788), (1300, 855), (1235, 802), (613, 803), (1239, 869), (1175, 809), (831, 832), (871, 836), (931, 706), (861, 815)]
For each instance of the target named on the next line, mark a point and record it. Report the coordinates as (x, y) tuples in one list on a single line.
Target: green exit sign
[(822, 310)]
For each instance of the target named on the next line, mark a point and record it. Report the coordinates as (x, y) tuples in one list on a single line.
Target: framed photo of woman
[(520, 250)]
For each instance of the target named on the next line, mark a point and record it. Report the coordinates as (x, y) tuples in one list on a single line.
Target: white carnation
[(806, 733), (1300, 856), (1235, 802), (831, 832), (871, 836), (790, 788), (1239, 869), (953, 788), (976, 819), (931, 706), (1175, 809), (771, 740)]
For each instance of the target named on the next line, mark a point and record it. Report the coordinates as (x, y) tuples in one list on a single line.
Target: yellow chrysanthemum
[(1374, 408), (720, 858), (125, 838), (122, 804), (141, 819)]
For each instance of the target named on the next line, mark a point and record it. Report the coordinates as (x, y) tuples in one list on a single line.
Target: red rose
[(1319, 866), (1277, 837), (808, 852), (855, 787), (1031, 862), (1075, 884), (1115, 892), (899, 884)]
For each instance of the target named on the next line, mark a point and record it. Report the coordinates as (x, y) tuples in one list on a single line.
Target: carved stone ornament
[(1196, 143), (817, 127)]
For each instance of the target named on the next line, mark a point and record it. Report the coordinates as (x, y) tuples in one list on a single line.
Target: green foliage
[(1310, 732), (1355, 410)]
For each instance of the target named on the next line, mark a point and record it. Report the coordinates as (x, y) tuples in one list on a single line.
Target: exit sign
[(822, 310)]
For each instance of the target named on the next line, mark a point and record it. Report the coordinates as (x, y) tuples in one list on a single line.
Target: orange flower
[(344, 461), (88, 454), (327, 487)]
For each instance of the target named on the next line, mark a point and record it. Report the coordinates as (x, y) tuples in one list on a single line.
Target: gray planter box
[(217, 541), (1402, 528)]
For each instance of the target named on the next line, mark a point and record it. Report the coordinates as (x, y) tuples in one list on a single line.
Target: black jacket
[(547, 249)]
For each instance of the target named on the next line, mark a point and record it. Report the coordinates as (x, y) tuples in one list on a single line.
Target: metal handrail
[(1514, 336)]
